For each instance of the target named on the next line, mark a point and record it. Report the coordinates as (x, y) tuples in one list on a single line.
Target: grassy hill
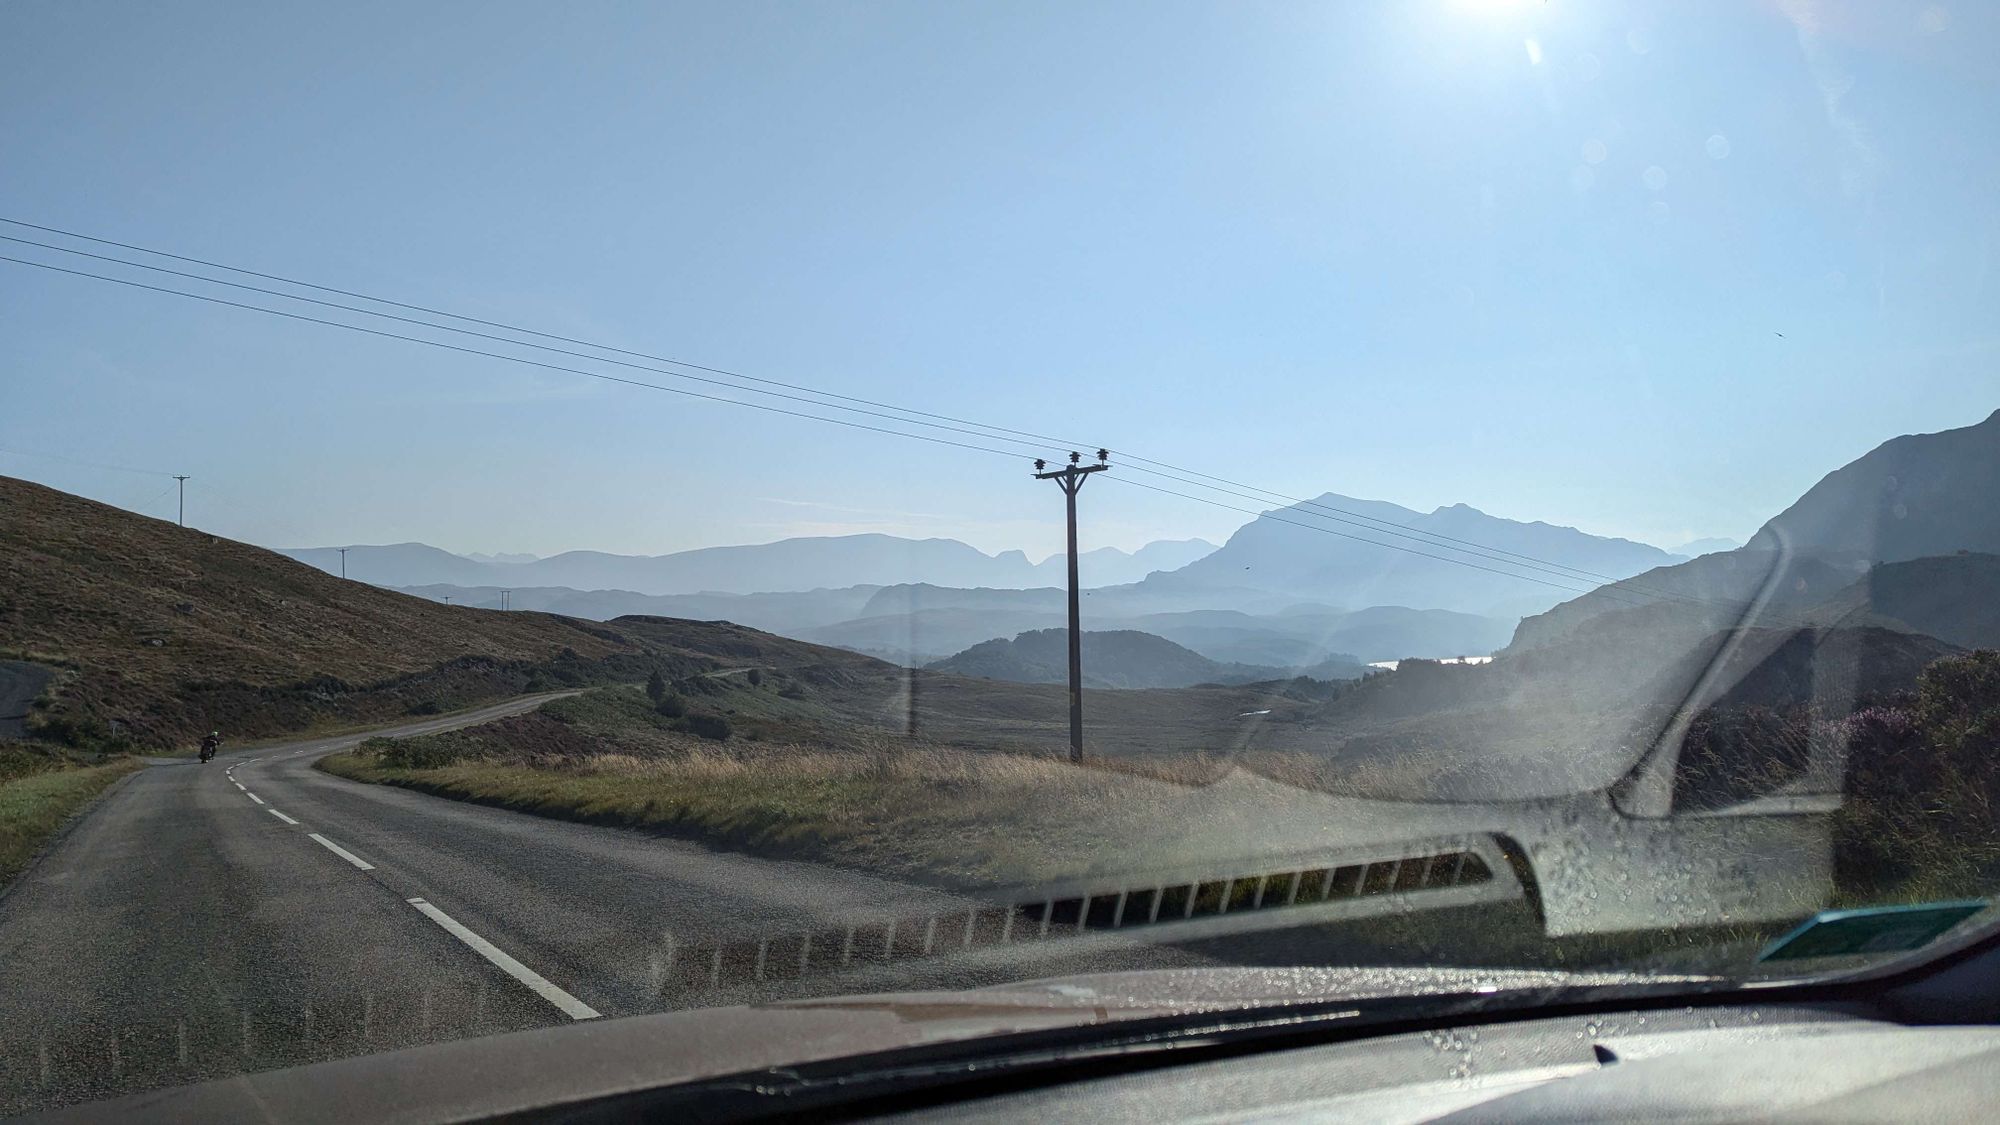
[(169, 631), (1955, 598), (1118, 658)]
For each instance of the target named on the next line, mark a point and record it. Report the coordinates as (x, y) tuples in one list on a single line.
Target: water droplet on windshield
[(1655, 178), (1716, 146)]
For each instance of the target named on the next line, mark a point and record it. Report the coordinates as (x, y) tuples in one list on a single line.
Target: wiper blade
[(1100, 1048)]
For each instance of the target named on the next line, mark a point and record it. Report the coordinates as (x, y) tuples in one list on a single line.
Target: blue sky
[(1534, 257)]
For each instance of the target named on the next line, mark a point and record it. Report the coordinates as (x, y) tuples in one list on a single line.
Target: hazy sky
[(1534, 257)]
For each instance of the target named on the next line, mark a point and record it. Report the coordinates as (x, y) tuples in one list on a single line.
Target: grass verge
[(942, 816), (34, 806)]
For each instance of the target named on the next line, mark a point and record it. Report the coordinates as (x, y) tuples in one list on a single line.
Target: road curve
[(252, 912)]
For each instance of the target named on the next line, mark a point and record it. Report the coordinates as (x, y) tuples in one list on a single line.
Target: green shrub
[(1958, 705), (413, 753), (1923, 779), (656, 686), (708, 726), (671, 705), (756, 677)]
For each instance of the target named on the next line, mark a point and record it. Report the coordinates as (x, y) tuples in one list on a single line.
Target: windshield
[(516, 515)]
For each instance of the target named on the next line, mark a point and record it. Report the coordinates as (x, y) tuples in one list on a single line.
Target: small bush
[(656, 686), (425, 707), (708, 726), (1923, 779), (756, 677), (670, 705), (413, 753)]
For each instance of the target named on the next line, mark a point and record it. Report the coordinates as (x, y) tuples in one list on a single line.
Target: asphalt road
[(212, 919)]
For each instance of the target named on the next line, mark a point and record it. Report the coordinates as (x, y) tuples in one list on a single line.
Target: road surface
[(253, 912)]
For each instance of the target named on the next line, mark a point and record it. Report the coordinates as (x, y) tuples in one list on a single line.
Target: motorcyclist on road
[(209, 744)]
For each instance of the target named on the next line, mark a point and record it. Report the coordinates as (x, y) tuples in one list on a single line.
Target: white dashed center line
[(281, 816), (570, 1005), (343, 853), (253, 796)]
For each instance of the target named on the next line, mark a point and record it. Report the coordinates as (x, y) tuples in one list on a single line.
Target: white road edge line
[(343, 853), (253, 796), (281, 816), (570, 1005)]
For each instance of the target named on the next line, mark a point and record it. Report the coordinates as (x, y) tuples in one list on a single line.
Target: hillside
[(1916, 496), (1955, 598), (789, 613), (1121, 658), (1910, 497), (169, 630), (1274, 553)]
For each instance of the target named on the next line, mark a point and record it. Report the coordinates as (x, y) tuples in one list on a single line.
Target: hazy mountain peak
[(1320, 551), (1911, 496), (503, 558)]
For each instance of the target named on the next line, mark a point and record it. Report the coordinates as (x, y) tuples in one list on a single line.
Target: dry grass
[(938, 812)]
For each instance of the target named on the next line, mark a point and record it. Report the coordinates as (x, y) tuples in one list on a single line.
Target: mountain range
[(821, 562), (1280, 594), (1336, 551)]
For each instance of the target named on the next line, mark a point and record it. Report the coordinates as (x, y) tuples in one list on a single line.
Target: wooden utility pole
[(1070, 479)]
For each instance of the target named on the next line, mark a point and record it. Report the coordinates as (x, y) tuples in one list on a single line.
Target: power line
[(509, 358), (524, 343), (1372, 523), (154, 499), (81, 461), (1391, 529), (532, 332), (736, 402)]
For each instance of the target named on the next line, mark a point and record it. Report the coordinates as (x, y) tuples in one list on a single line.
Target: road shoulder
[(39, 810)]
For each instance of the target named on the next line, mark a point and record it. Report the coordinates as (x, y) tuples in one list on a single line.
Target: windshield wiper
[(1098, 1049)]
